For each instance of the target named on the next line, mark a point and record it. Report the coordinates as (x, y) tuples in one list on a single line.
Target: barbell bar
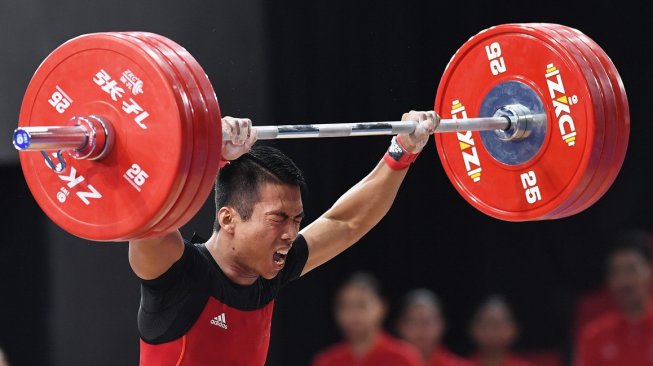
[(77, 137)]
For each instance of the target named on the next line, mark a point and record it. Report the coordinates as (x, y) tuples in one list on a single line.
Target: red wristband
[(397, 157)]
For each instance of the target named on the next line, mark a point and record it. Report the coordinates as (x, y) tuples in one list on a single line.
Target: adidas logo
[(220, 321)]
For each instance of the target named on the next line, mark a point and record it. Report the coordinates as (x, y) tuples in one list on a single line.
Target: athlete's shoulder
[(171, 303)]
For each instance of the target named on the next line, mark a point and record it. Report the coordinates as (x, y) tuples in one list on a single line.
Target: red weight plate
[(200, 132), (200, 144), (601, 144), (605, 174), (623, 120), (604, 122), (213, 112), (556, 173), (140, 179), (190, 133), (213, 121), (623, 115), (214, 129)]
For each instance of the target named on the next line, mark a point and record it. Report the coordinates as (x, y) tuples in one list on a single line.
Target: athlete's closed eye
[(277, 216), (281, 217)]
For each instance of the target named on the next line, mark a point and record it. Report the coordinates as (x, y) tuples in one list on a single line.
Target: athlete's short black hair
[(238, 183), (632, 240)]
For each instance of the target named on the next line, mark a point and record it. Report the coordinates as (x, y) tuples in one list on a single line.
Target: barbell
[(129, 131)]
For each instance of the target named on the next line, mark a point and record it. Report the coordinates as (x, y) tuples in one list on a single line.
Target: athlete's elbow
[(358, 227)]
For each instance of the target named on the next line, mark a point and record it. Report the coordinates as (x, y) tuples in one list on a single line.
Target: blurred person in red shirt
[(421, 323), (623, 337), (360, 311), (494, 331)]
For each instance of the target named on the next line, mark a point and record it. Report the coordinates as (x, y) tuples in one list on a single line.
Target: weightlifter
[(211, 303)]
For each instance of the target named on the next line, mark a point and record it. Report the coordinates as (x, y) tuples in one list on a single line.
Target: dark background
[(66, 301)]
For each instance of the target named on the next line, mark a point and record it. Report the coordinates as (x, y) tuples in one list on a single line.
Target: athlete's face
[(264, 240), (629, 276), (421, 325), (359, 312), (493, 329)]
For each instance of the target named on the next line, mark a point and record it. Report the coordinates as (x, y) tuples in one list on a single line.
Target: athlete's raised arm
[(151, 257), (365, 204)]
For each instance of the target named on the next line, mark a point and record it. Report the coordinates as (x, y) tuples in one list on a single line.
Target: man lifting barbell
[(131, 141), (211, 303)]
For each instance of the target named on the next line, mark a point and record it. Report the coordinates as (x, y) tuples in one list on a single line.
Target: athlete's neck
[(222, 250)]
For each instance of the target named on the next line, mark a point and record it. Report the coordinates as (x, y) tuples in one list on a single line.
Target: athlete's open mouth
[(279, 256)]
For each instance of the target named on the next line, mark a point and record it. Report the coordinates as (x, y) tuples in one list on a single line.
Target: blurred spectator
[(624, 336), (421, 323), (592, 304), (494, 331), (360, 311), (3, 359)]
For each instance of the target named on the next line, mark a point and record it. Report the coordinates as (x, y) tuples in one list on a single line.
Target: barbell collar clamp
[(89, 137)]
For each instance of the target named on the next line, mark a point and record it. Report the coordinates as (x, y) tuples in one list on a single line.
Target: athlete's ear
[(227, 219)]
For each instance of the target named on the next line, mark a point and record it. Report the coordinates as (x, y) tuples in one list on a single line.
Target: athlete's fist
[(427, 123), (241, 137)]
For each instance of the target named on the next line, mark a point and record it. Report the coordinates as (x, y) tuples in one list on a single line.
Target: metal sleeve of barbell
[(373, 128), (474, 124), (50, 138)]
